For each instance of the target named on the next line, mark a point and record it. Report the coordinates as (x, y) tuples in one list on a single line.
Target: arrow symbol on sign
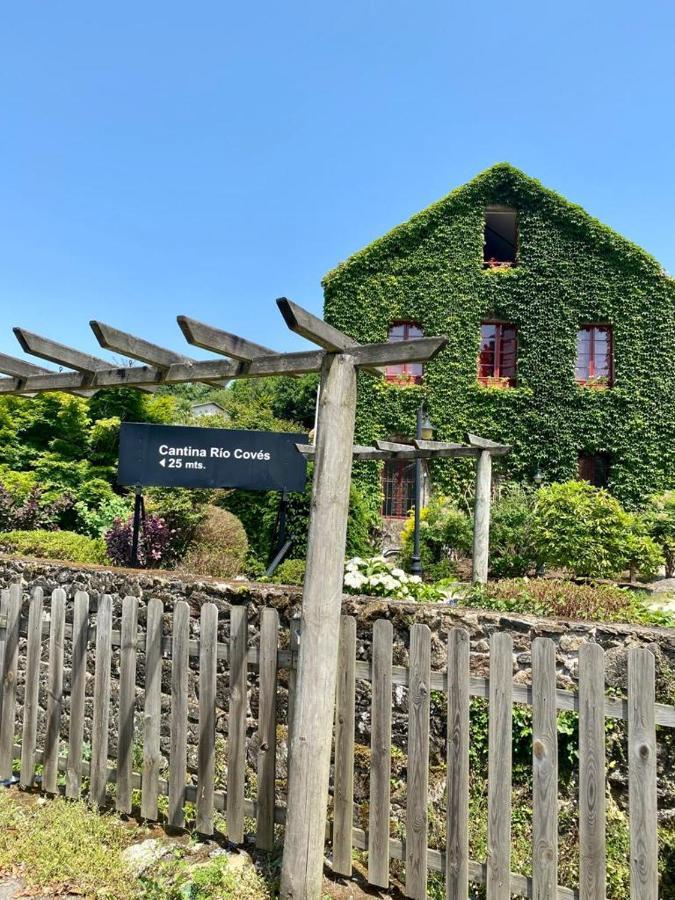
[(162, 462)]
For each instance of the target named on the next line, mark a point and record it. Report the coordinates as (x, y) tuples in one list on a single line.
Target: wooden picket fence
[(263, 662)]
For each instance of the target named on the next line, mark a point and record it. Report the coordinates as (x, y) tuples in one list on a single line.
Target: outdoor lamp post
[(538, 477), (424, 432)]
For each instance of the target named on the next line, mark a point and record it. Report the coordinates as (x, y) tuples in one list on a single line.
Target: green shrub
[(258, 513), (182, 511), (291, 571), (586, 531), (445, 535), (659, 520), (65, 545), (219, 546), (512, 551), (559, 597)]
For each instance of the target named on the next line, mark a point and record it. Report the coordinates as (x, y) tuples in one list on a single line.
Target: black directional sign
[(180, 456)]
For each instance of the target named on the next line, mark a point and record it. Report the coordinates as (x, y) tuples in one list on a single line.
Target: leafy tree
[(587, 531), (445, 535), (660, 522), (512, 550)]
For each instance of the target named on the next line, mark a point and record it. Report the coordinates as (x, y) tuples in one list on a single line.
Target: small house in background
[(208, 408), (561, 336)]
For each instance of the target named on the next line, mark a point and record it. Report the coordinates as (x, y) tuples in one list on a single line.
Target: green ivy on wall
[(571, 270)]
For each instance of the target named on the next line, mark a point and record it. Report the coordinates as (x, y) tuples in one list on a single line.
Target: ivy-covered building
[(561, 340)]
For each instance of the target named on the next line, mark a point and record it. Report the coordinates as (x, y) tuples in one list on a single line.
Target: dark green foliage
[(258, 513), (512, 548), (295, 399), (445, 535), (659, 520), (291, 571), (571, 270), (182, 511)]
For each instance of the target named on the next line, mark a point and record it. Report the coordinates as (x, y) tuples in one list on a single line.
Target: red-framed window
[(405, 372), (594, 468), (594, 355), (398, 484), (498, 357)]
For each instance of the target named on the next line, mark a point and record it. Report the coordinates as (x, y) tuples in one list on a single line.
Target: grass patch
[(219, 878), (60, 843)]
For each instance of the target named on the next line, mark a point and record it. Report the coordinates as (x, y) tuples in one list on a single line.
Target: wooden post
[(312, 725), (481, 517)]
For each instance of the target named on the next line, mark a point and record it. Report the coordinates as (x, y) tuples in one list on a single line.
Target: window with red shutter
[(498, 358), (398, 484), (405, 373), (594, 356)]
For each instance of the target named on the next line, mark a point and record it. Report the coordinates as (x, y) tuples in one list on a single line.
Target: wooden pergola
[(337, 357), (478, 448)]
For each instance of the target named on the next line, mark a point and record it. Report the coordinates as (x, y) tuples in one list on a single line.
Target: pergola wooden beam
[(302, 322), (419, 449), (111, 338), (309, 326), (215, 339), (358, 453), (147, 377), (44, 348), (21, 368)]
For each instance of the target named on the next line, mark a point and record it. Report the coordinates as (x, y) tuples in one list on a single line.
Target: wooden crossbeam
[(146, 377), (309, 326), (359, 453), (137, 348), (485, 444), (44, 348), (209, 338), (443, 449), (314, 329), (21, 368)]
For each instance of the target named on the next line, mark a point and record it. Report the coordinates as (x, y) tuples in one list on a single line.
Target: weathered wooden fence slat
[(236, 760), (10, 665), (127, 702), (101, 714), (267, 728), (45, 698), (343, 781), (544, 771), (380, 755), (152, 711), (179, 713), (417, 820), (499, 767), (208, 631), (592, 853), (31, 689), (644, 875), (54, 691), (457, 842), (78, 675)]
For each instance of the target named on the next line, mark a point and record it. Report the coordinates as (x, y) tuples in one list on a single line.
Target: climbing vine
[(571, 270)]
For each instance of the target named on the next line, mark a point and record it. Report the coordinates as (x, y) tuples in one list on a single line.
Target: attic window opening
[(500, 246)]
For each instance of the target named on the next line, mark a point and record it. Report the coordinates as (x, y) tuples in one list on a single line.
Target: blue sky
[(205, 158)]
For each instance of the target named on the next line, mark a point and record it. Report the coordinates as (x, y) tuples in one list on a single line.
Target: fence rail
[(260, 665)]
